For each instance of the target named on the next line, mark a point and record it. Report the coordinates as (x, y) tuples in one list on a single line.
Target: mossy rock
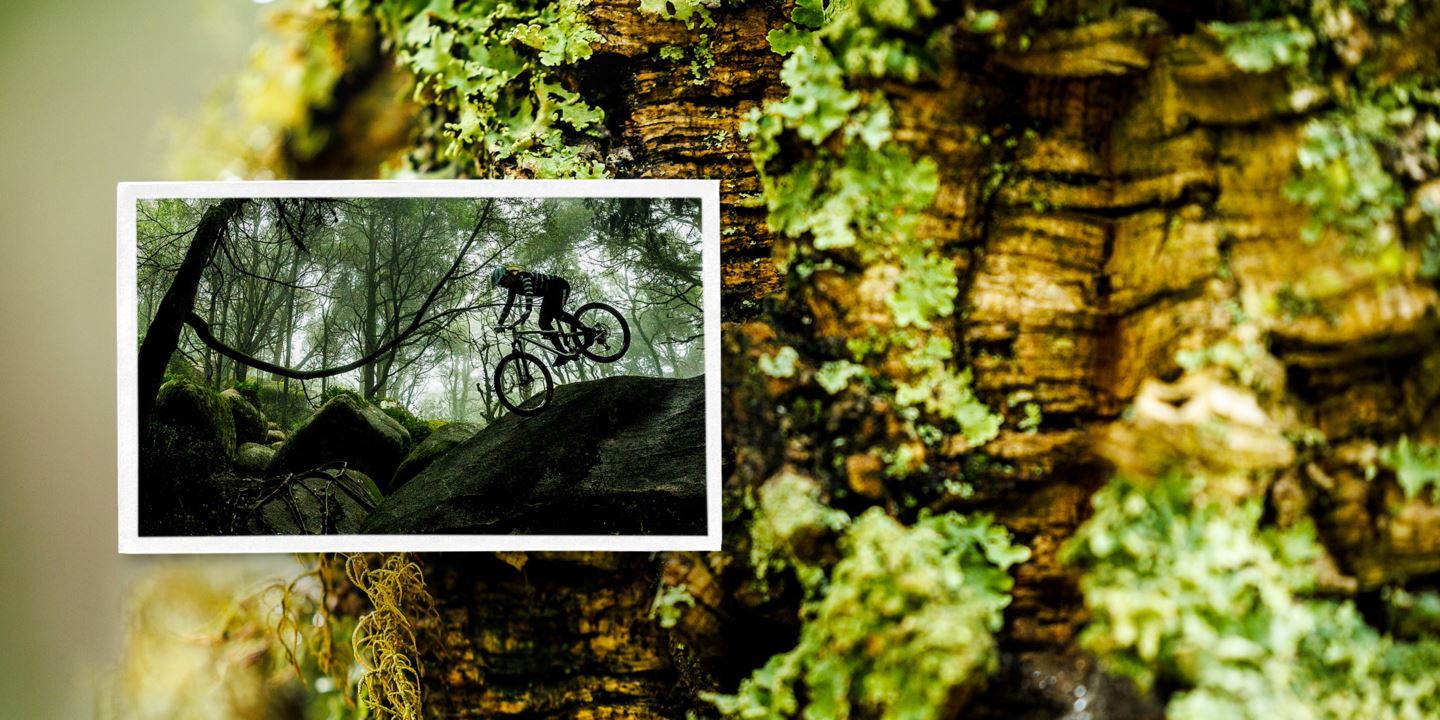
[(252, 459), (250, 422), (345, 429), (440, 441), (197, 412)]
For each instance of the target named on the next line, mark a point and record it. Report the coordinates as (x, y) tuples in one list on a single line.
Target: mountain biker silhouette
[(553, 292)]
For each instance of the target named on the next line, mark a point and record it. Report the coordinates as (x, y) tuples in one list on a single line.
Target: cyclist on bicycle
[(553, 292)]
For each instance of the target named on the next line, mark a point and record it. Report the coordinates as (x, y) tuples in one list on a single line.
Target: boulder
[(274, 436), (348, 430), (249, 421), (621, 455), (252, 459), (198, 413), (326, 501), (440, 441)]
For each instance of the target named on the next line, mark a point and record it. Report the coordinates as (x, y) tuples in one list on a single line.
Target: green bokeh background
[(88, 88)]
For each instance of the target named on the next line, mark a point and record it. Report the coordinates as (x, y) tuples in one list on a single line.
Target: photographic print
[(442, 364)]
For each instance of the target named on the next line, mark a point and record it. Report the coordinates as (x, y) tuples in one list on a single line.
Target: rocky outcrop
[(250, 423), (438, 443), (623, 455), (347, 430)]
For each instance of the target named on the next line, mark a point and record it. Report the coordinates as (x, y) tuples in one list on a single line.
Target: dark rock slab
[(622, 455)]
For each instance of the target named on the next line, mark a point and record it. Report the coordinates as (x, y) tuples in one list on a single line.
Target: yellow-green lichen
[(902, 629), (491, 74), (854, 194)]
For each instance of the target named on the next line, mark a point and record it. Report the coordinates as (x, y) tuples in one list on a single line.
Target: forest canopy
[(311, 285)]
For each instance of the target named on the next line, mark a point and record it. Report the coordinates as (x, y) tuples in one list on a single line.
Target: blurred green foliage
[(1265, 45), (1359, 163), (419, 428), (1342, 181), (836, 375), (901, 626), (788, 515), (1198, 592), (781, 364), (490, 72), (668, 604), (1416, 465), (334, 391), (249, 389)]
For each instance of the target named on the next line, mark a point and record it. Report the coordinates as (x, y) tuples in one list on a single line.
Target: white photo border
[(131, 542)]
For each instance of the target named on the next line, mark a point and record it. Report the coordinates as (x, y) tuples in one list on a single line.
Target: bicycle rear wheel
[(611, 334), (523, 384)]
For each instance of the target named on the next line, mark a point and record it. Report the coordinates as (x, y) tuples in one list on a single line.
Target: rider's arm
[(525, 314), (509, 303)]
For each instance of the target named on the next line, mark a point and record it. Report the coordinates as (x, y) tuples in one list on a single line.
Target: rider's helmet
[(497, 274)]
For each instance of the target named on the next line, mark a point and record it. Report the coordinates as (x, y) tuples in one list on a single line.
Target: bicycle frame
[(520, 339)]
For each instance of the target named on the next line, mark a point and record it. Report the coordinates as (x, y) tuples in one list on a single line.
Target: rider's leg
[(550, 308), (568, 317)]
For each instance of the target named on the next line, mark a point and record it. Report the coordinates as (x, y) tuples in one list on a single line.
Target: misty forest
[(301, 359)]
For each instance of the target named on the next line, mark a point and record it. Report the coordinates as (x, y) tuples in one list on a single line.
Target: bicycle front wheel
[(609, 335), (523, 384)]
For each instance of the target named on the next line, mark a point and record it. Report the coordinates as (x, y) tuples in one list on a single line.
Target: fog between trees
[(309, 284)]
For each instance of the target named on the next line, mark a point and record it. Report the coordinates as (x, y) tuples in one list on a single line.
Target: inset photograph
[(418, 365)]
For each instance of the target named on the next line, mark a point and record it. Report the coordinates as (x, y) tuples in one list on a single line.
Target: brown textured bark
[(668, 126), (560, 636), (1146, 197)]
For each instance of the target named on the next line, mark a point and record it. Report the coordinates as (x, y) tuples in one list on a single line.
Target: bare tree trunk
[(288, 338), (371, 311)]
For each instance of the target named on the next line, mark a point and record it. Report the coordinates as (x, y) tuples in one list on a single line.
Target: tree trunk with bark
[(1109, 195)]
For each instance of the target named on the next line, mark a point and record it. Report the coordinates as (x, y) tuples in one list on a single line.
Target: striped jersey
[(530, 285), (533, 284)]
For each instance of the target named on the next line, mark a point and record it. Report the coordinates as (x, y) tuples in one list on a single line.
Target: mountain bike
[(522, 381)]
